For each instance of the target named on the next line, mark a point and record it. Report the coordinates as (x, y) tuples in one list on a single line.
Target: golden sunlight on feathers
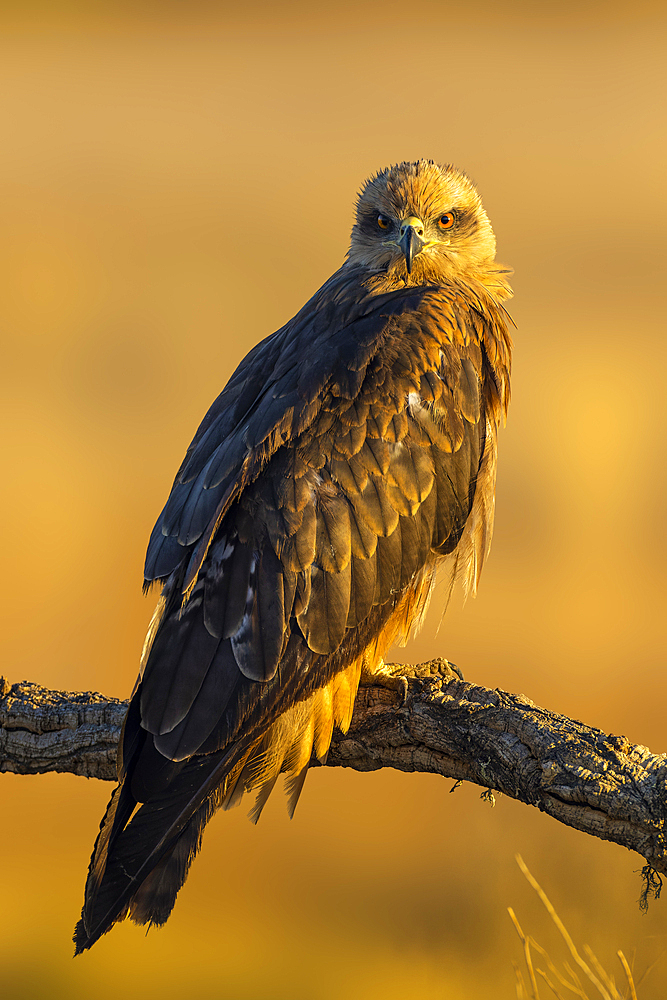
[(350, 456)]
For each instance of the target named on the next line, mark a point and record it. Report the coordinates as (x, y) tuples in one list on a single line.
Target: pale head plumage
[(426, 192)]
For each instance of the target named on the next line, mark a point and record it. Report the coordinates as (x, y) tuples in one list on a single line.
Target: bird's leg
[(395, 676)]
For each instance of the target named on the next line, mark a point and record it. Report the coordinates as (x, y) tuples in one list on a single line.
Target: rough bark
[(598, 783)]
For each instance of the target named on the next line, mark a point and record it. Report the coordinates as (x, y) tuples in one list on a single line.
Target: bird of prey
[(350, 455)]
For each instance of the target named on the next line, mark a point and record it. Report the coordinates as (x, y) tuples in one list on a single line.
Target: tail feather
[(154, 899), (118, 812), (139, 866), (294, 786)]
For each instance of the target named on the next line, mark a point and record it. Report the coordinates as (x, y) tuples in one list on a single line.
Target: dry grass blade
[(575, 978), (574, 986), (526, 954), (649, 968), (604, 993), (604, 976), (631, 982), (551, 986), (520, 985)]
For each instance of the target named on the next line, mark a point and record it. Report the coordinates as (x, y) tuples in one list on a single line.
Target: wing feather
[(227, 606), (258, 642), (177, 664), (362, 589), (323, 620), (218, 687), (389, 559), (333, 535)]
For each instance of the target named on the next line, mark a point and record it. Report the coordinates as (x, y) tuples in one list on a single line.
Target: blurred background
[(177, 179)]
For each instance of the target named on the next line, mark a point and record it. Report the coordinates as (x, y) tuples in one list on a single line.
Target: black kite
[(350, 454)]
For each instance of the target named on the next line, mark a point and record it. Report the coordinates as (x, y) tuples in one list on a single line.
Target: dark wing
[(304, 525), (272, 397)]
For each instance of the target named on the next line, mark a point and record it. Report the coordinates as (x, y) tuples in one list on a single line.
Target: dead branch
[(600, 784)]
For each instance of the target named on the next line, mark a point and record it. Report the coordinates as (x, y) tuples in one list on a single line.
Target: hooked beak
[(411, 241)]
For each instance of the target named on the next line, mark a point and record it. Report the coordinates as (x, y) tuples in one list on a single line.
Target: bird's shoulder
[(347, 349)]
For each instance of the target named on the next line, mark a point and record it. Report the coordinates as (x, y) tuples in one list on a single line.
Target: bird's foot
[(395, 676)]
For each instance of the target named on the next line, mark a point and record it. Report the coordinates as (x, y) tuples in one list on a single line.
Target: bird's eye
[(446, 221), (384, 222)]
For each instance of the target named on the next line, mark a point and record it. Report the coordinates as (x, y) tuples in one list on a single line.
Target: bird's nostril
[(419, 230)]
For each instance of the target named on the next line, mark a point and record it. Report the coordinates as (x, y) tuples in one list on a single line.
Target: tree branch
[(597, 783)]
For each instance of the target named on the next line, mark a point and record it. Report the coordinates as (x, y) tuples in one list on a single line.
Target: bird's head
[(421, 222)]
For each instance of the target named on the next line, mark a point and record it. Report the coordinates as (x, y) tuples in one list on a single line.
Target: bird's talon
[(457, 670)]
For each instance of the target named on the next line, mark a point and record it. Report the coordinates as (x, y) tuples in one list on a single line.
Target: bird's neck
[(493, 277)]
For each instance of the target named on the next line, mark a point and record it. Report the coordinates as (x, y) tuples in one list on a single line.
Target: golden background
[(176, 180)]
